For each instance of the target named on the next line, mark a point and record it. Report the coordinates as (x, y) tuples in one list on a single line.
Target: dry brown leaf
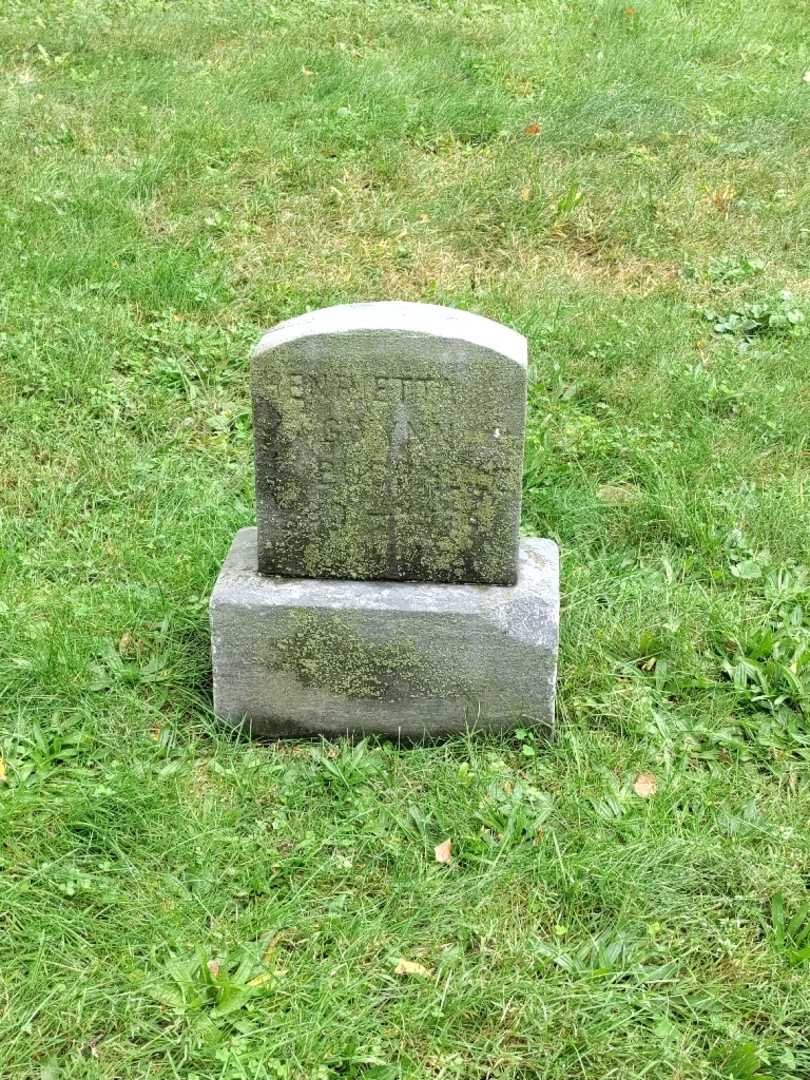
[(723, 198), (213, 967), (2, 770), (411, 967), (630, 12), (645, 785), (307, 72), (272, 945), (261, 979), (532, 129), (806, 76), (444, 852), (525, 194), (126, 643)]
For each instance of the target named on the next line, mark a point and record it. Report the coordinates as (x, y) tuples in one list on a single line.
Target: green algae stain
[(324, 652)]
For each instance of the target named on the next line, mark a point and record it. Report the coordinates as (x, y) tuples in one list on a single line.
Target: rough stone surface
[(389, 444), (412, 661)]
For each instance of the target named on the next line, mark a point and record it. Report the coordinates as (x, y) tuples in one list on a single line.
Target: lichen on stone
[(382, 459), (324, 652)]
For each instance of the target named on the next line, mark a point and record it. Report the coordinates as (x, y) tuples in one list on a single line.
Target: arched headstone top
[(389, 444), (399, 316)]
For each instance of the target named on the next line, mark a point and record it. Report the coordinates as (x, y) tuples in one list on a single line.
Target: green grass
[(176, 177)]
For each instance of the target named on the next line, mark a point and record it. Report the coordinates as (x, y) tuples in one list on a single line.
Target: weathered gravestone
[(385, 589), (389, 444)]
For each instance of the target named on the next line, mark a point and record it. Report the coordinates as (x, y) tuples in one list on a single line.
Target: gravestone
[(389, 444), (384, 589)]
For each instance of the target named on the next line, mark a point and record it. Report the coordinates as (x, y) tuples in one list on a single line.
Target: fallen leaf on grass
[(443, 852), (645, 785), (525, 194), (272, 944), (532, 129), (410, 967), (629, 12), (723, 198), (806, 76), (213, 967), (3, 771), (262, 979), (307, 72)]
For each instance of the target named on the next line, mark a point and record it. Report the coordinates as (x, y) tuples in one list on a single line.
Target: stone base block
[(410, 660)]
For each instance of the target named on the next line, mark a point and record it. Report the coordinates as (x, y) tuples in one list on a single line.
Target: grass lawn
[(177, 176)]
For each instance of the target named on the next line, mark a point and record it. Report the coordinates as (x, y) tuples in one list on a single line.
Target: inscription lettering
[(383, 461)]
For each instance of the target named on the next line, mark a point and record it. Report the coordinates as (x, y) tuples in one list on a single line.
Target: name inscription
[(410, 473)]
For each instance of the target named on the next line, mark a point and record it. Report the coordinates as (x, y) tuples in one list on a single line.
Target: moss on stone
[(324, 652), (359, 482)]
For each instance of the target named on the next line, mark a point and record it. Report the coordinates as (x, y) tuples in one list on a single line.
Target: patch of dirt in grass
[(355, 235), (403, 266), (798, 285), (22, 75), (202, 785), (619, 274), (157, 221), (409, 265)]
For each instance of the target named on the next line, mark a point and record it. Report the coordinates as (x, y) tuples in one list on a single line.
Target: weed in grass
[(790, 934), (768, 316)]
